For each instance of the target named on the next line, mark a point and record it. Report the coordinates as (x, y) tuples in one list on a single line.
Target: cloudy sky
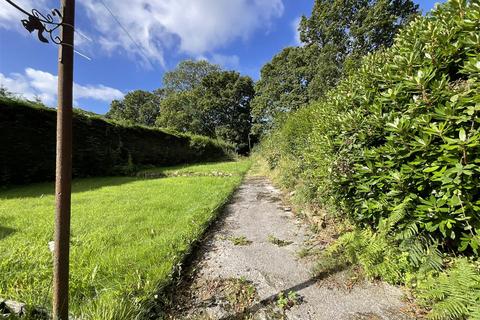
[(237, 34)]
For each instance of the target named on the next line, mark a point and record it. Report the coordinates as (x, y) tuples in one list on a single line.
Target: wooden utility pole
[(63, 180), (38, 22)]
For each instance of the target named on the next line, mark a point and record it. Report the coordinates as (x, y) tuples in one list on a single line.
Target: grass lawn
[(231, 168), (127, 235)]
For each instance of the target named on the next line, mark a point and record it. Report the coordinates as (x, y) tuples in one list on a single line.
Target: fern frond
[(454, 294)]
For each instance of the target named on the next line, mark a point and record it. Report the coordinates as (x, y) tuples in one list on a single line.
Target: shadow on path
[(271, 299)]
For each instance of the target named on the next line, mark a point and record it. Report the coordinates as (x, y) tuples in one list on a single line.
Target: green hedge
[(399, 139), (27, 145)]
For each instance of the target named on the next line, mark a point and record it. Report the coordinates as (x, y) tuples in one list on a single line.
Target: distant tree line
[(197, 97)]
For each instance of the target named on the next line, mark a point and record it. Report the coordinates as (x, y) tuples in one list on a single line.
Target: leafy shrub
[(416, 133), (395, 147), (399, 137), (100, 147)]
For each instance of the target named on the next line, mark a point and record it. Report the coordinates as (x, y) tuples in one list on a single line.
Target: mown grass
[(128, 234), (232, 168)]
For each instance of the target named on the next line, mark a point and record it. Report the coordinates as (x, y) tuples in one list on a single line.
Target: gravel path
[(252, 257)]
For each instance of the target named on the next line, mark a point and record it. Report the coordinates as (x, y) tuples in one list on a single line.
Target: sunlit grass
[(205, 168), (127, 236)]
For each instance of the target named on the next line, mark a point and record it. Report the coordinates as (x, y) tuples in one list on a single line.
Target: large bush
[(27, 145), (399, 138)]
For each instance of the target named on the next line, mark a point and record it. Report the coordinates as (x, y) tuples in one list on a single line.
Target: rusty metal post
[(63, 178)]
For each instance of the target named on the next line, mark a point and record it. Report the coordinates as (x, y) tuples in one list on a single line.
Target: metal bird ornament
[(33, 23), (42, 23)]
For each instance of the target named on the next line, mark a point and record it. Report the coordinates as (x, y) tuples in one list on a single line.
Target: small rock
[(15, 307), (51, 246), (216, 312)]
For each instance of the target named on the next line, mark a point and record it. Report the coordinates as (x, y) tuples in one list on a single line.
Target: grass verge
[(128, 234)]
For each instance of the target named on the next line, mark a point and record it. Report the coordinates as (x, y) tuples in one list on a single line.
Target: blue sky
[(237, 34)]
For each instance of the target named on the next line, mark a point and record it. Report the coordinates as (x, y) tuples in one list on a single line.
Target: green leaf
[(462, 135), (431, 169)]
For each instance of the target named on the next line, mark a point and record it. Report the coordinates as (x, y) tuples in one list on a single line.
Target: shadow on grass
[(36, 190), (5, 232)]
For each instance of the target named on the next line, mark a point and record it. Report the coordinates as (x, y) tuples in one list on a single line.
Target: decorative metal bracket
[(42, 23)]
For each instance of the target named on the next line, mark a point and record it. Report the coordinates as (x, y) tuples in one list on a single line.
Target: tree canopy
[(219, 106), (224, 100), (334, 37), (202, 98), (187, 75), (355, 26), (137, 107)]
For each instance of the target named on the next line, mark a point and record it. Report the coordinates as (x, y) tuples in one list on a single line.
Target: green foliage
[(373, 252), (224, 99), (27, 137), (197, 97), (282, 87), (137, 107), (356, 27), (240, 293), (179, 112), (286, 300), (335, 36), (218, 106), (278, 242), (240, 241), (454, 294), (4, 92), (399, 137), (415, 131), (188, 75)]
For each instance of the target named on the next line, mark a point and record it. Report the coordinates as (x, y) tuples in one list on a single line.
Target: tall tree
[(294, 77), (137, 107), (179, 112), (224, 99), (335, 36), (218, 106), (355, 26), (187, 75)]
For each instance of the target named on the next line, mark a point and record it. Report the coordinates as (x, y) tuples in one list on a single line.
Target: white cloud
[(197, 27), (36, 83), (225, 61), (295, 24)]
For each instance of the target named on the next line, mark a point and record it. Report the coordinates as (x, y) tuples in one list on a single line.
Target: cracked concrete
[(256, 212)]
